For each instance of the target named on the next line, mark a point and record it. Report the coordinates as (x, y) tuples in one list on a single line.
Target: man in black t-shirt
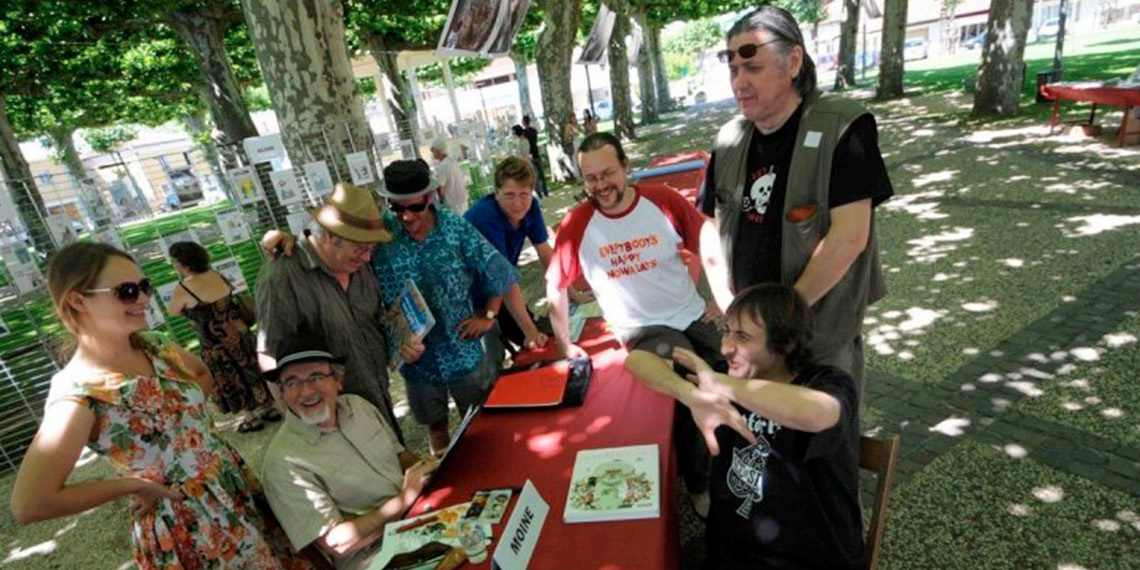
[(531, 135), (784, 211), (784, 482)]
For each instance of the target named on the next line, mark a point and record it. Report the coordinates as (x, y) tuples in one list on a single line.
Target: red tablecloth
[(687, 183), (504, 449), (1102, 95)]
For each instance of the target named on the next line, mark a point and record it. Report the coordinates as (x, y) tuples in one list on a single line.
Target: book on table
[(540, 387), (614, 483), (408, 317)]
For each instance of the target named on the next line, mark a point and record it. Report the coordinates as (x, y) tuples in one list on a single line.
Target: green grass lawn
[(994, 227)]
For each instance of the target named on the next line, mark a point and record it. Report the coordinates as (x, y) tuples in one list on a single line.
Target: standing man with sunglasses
[(792, 186), (451, 264), (327, 289)]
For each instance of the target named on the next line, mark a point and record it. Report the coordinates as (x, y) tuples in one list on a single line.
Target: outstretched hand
[(711, 411), (277, 241)]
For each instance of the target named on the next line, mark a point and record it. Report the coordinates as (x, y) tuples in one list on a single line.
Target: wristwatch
[(490, 315)]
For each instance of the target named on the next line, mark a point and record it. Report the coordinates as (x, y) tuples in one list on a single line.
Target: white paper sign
[(286, 185), (244, 181), (263, 149), (298, 221), (154, 316), (320, 181), (230, 268), (360, 166), (166, 292), (232, 224), (520, 536)]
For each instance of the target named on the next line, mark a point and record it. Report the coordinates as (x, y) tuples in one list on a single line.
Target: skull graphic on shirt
[(761, 192)]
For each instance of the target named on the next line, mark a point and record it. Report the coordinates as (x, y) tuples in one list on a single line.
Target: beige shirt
[(450, 175), (316, 479)]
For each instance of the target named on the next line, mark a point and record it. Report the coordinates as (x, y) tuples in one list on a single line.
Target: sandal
[(250, 425), (270, 414)]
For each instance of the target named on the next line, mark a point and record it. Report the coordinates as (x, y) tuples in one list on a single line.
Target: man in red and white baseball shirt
[(631, 245)]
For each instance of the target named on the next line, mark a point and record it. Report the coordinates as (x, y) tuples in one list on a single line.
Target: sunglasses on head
[(745, 51), (400, 208), (126, 292)]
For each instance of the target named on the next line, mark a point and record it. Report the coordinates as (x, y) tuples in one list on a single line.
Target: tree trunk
[(61, 138), (619, 73), (552, 54), (646, 86), (891, 59), (18, 180), (660, 72), (204, 35), (523, 81), (848, 32), (1002, 72), (402, 105), (304, 60)]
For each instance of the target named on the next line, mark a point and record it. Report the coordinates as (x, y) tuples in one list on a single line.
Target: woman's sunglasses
[(400, 208), (745, 51), (126, 292)]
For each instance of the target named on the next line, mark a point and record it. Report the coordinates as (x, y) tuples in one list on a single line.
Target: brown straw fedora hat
[(351, 212)]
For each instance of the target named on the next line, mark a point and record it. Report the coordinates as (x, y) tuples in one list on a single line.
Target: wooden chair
[(880, 456)]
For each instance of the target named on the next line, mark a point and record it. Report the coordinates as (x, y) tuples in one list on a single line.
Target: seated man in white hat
[(335, 473), (327, 288)]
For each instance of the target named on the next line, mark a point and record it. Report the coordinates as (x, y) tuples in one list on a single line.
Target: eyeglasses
[(293, 383), (126, 292), (400, 208), (357, 248), (746, 51)]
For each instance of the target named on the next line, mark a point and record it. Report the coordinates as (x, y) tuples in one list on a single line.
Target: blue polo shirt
[(490, 220)]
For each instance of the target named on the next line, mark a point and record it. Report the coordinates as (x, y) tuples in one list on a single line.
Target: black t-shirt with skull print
[(791, 501), (857, 172)]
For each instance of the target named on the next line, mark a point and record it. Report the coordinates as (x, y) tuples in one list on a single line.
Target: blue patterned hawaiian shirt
[(453, 264)]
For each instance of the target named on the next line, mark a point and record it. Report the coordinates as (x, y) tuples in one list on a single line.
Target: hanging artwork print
[(360, 167), (599, 38), (26, 275), (298, 221), (481, 28), (320, 181), (232, 224), (232, 271), (512, 17), (245, 183), (286, 185)]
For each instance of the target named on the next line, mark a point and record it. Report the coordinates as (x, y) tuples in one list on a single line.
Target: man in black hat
[(335, 472)]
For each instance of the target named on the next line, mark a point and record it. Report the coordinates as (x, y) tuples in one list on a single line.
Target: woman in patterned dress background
[(228, 347), (140, 403)]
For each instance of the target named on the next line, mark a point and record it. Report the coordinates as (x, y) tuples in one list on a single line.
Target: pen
[(418, 524)]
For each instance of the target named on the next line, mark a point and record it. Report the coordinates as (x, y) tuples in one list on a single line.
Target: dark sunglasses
[(126, 292), (746, 51), (400, 208)]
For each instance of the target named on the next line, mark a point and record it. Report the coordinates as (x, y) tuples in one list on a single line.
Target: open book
[(408, 317)]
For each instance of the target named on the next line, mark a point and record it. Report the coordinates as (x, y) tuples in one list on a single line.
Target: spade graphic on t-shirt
[(760, 192), (746, 476)]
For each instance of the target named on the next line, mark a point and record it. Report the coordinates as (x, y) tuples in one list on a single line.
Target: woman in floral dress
[(141, 404)]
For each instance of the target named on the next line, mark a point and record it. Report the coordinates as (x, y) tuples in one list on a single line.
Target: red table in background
[(504, 449), (1127, 97), (687, 183)]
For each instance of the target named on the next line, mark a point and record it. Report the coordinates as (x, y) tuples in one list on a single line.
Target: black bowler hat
[(301, 347), (405, 179)]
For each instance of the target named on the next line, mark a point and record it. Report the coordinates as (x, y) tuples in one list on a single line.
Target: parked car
[(974, 42), (604, 111), (915, 48), (1049, 29)]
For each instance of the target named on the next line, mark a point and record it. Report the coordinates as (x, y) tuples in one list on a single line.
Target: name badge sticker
[(812, 138)]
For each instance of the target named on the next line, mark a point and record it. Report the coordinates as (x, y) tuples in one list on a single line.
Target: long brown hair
[(77, 268)]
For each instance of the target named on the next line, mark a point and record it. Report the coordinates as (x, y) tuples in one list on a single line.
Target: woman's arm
[(40, 492)]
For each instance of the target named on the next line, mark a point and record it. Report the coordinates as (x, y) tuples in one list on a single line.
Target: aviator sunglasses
[(746, 51), (400, 208), (126, 292)]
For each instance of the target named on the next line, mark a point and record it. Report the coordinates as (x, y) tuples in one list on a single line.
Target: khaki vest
[(839, 314)]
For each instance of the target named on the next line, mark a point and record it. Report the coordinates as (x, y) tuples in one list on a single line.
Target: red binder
[(541, 387)]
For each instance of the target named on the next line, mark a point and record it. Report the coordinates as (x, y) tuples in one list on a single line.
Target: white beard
[(316, 418)]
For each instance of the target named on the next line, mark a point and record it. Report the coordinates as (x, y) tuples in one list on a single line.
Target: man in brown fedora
[(327, 288)]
